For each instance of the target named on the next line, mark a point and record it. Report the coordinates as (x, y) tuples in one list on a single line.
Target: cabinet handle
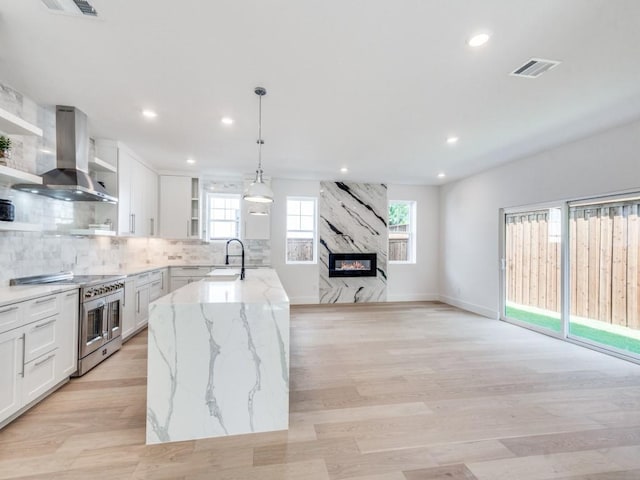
[(10, 309), (45, 323), (71, 294), (156, 283), (45, 300), (152, 227), (187, 228), (47, 358), (134, 222), (24, 352), (138, 301), (189, 268)]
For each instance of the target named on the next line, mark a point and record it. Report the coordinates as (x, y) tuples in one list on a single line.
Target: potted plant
[(5, 149)]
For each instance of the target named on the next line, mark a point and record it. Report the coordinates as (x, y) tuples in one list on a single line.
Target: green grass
[(600, 336)]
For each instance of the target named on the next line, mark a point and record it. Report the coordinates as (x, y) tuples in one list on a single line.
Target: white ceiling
[(373, 85)]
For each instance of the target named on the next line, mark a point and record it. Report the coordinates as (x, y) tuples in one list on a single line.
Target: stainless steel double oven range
[(99, 313)]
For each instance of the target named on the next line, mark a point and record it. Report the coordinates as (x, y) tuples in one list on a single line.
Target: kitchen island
[(218, 359)]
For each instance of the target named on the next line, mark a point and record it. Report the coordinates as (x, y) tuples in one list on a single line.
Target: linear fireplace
[(352, 265)]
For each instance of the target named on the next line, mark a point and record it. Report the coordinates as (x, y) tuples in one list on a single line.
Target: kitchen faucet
[(226, 255)]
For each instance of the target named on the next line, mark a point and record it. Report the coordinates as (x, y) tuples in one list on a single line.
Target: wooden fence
[(299, 249), (604, 262), (398, 242)]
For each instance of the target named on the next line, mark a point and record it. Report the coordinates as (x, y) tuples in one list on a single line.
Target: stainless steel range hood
[(70, 180)]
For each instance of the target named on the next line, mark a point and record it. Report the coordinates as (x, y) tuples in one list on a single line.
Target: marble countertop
[(22, 293), (261, 285)]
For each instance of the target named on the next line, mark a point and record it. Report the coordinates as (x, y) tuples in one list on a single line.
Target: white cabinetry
[(137, 209), (11, 372), (68, 339), (139, 291), (142, 299), (38, 349), (181, 276), (179, 207), (129, 309)]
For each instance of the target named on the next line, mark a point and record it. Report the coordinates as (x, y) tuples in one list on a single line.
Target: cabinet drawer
[(142, 279), (155, 290), (10, 317), (190, 271), (40, 337), (155, 275), (39, 376), (41, 308)]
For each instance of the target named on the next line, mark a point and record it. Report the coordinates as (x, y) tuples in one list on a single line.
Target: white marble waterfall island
[(218, 361)]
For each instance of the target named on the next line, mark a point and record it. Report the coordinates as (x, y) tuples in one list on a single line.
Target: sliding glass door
[(532, 268), (573, 271), (603, 271)]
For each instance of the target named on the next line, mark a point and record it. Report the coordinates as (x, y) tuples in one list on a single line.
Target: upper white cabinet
[(179, 207), (137, 190)]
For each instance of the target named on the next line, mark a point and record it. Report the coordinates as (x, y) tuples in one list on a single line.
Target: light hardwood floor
[(383, 392)]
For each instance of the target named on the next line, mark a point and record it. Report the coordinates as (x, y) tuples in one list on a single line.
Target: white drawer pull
[(10, 309), (45, 323), (45, 300), (71, 294), (46, 359), (156, 283)]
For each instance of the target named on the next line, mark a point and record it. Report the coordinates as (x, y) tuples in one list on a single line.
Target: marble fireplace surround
[(352, 219)]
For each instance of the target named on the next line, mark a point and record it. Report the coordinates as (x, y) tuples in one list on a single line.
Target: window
[(223, 216), (301, 230), (402, 228)]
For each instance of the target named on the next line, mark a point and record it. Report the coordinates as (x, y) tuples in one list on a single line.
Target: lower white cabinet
[(142, 305), (11, 372), (68, 335), (181, 276), (39, 376), (139, 291), (39, 352)]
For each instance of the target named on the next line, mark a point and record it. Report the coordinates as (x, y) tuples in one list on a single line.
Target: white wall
[(299, 281), (419, 281), (405, 282), (469, 209)]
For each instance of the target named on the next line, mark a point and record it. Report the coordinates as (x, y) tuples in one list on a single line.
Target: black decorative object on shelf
[(7, 210)]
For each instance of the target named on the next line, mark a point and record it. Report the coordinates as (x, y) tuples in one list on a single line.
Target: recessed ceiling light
[(149, 113), (227, 120), (452, 140), (441, 175), (344, 170), (191, 161), (478, 40)]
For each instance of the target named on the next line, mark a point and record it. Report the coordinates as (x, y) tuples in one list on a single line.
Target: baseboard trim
[(414, 297), (470, 307), (304, 301)]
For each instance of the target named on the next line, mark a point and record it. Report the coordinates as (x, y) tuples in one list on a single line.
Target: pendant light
[(258, 191)]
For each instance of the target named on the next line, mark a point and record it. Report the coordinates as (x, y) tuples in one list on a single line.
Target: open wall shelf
[(12, 124)]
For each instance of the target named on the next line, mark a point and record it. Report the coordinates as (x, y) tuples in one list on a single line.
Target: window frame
[(314, 231), (412, 252), (212, 195)]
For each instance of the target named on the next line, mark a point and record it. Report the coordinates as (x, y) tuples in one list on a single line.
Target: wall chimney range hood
[(70, 181)]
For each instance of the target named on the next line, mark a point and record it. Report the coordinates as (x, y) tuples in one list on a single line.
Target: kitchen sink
[(223, 275)]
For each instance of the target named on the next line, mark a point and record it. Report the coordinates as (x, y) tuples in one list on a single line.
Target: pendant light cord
[(260, 133)]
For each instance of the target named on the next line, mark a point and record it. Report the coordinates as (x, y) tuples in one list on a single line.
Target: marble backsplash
[(29, 253)]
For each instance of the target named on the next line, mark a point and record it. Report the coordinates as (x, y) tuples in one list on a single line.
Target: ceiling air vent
[(534, 67), (71, 7)]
